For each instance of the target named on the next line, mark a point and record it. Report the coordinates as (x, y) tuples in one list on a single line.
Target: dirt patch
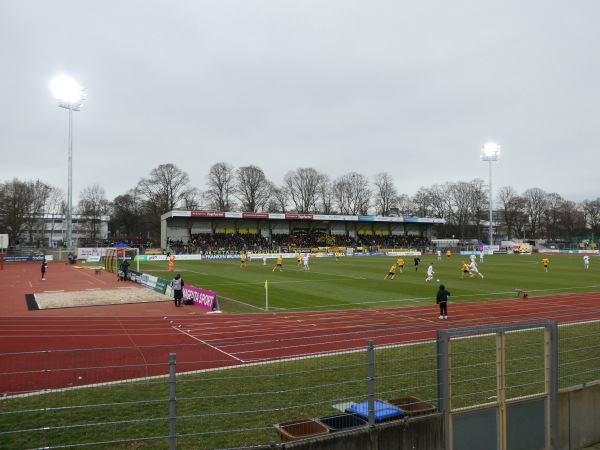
[(50, 300)]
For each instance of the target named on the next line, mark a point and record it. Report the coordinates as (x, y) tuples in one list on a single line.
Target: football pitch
[(358, 282)]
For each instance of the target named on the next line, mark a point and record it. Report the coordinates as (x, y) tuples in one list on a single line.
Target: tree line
[(25, 206)]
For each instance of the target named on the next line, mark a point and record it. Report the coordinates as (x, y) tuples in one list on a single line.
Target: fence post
[(172, 402), (371, 382)]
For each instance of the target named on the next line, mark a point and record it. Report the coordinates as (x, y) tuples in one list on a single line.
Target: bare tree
[(92, 207), (16, 198), (535, 203), (571, 219), (220, 182), (479, 204), (165, 187), (302, 189), (35, 218), (162, 192), (352, 194), (279, 201), (510, 210), (252, 189), (459, 216), (591, 211), (128, 215), (55, 208), (325, 193), (404, 206), (386, 194), (550, 225), (191, 199), (422, 201)]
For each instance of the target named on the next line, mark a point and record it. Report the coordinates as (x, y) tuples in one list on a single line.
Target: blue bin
[(383, 411)]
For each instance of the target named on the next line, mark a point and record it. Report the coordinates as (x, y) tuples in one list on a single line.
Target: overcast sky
[(412, 88)]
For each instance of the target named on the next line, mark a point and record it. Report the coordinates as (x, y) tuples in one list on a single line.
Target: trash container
[(298, 429), (383, 411), (412, 406), (342, 422)]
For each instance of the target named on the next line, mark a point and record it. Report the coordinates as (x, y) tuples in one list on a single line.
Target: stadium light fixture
[(490, 152), (70, 95)]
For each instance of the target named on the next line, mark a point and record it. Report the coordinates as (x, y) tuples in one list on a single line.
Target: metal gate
[(498, 386)]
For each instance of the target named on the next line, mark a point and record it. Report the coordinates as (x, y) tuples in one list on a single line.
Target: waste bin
[(383, 411), (342, 422), (412, 406), (298, 429)]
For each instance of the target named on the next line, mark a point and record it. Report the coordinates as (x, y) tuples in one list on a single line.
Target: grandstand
[(190, 231)]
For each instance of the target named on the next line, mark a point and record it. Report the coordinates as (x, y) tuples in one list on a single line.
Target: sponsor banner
[(153, 251), (201, 298), (369, 254), (403, 253), (221, 256), (181, 214), (255, 215), (298, 216), (26, 258), (500, 252), (161, 285), (151, 258), (134, 276), (83, 253), (164, 257), (93, 259), (186, 257), (208, 214), (148, 281)]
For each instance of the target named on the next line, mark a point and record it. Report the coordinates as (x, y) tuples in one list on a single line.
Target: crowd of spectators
[(220, 242), (395, 241)]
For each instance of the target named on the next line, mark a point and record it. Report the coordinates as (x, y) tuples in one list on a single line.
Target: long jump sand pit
[(97, 297)]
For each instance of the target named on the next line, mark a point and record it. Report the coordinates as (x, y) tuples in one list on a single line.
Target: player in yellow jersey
[(464, 269), (279, 264), (400, 264), (337, 256), (448, 254), (545, 262), (392, 272), (299, 259), (243, 261)]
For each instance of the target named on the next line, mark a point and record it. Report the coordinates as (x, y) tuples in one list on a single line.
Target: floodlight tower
[(70, 95), (490, 152)]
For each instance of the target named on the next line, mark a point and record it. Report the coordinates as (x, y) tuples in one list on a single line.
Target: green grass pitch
[(358, 282)]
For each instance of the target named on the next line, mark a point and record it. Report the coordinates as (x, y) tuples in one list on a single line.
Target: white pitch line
[(206, 343)]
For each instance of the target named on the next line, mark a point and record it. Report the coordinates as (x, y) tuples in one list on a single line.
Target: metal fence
[(195, 397)]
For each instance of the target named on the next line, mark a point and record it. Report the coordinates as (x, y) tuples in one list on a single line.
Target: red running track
[(62, 348)]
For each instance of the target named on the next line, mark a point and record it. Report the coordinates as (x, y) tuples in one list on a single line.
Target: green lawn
[(357, 282)]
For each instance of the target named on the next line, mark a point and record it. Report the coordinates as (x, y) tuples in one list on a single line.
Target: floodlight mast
[(70, 95), (490, 152)]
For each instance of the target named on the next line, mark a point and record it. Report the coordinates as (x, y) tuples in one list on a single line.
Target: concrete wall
[(578, 427), (579, 417)]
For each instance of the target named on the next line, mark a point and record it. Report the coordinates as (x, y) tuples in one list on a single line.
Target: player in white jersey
[(474, 270)]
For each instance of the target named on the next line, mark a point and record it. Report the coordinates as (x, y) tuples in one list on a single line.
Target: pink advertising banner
[(203, 299)]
